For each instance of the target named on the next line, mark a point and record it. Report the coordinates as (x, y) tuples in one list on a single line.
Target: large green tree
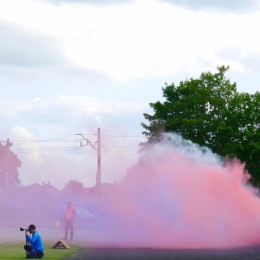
[(210, 112), (9, 164)]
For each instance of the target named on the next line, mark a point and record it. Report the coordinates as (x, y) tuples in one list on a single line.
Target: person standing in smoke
[(70, 214), (35, 248)]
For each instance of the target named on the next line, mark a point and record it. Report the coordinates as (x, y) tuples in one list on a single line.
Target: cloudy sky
[(71, 66)]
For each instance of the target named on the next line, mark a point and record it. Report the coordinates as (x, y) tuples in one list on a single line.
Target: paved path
[(249, 253)]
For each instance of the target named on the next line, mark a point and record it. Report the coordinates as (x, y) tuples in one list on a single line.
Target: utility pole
[(98, 149), (98, 180), (7, 145)]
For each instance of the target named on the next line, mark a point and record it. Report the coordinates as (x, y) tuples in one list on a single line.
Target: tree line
[(9, 164), (209, 111)]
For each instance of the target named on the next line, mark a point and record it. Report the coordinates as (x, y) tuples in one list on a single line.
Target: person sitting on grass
[(35, 248)]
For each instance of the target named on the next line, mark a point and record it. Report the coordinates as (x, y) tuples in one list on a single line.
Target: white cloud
[(20, 132), (22, 48), (76, 104), (47, 157), (63, 116), (93, 105), (25, 143), (134, 40), (232, 6)]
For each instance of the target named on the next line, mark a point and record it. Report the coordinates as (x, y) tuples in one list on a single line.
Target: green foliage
[(210, 112), (9, 163), (14, 250), (74, 187)]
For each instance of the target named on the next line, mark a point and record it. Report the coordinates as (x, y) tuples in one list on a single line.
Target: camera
[(24, 229)]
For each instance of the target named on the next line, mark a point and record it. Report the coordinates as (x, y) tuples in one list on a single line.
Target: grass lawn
[(14, 250)]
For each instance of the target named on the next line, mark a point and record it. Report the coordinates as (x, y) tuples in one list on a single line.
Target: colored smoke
[(180, 195)]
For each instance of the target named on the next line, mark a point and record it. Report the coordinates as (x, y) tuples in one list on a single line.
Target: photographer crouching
[(35, 248)]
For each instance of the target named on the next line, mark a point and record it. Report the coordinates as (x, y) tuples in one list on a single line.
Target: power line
[(88, 134), (44, 140), (62, 149), (112, 161), (122, 136), (66, 148), (119, 146), (54, 150), (48, 148), (61, 139), (20, 142)]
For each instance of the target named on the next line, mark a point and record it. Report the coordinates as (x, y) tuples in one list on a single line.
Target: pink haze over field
[(182, 196), (178, 195)]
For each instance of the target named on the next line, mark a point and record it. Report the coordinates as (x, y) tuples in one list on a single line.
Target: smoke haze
[(178, 195), (182, 196)]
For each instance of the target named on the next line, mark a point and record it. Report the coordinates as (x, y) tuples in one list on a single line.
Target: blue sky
[(69, 67)]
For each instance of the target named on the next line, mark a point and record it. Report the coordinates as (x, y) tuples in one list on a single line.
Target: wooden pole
[(98, 179)]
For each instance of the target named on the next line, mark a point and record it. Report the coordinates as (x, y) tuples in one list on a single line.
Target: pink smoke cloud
[(184, 197)]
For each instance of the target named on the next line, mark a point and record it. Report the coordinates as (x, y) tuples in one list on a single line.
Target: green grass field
[(12, 242), (14, 250)]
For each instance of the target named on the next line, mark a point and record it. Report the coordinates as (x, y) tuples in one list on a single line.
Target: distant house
[(107, 189), (37, 193)]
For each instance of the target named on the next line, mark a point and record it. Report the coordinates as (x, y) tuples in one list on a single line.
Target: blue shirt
[(36, 241)]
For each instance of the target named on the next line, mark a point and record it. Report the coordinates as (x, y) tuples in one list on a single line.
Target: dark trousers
[(32, 253), (69, 227)]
